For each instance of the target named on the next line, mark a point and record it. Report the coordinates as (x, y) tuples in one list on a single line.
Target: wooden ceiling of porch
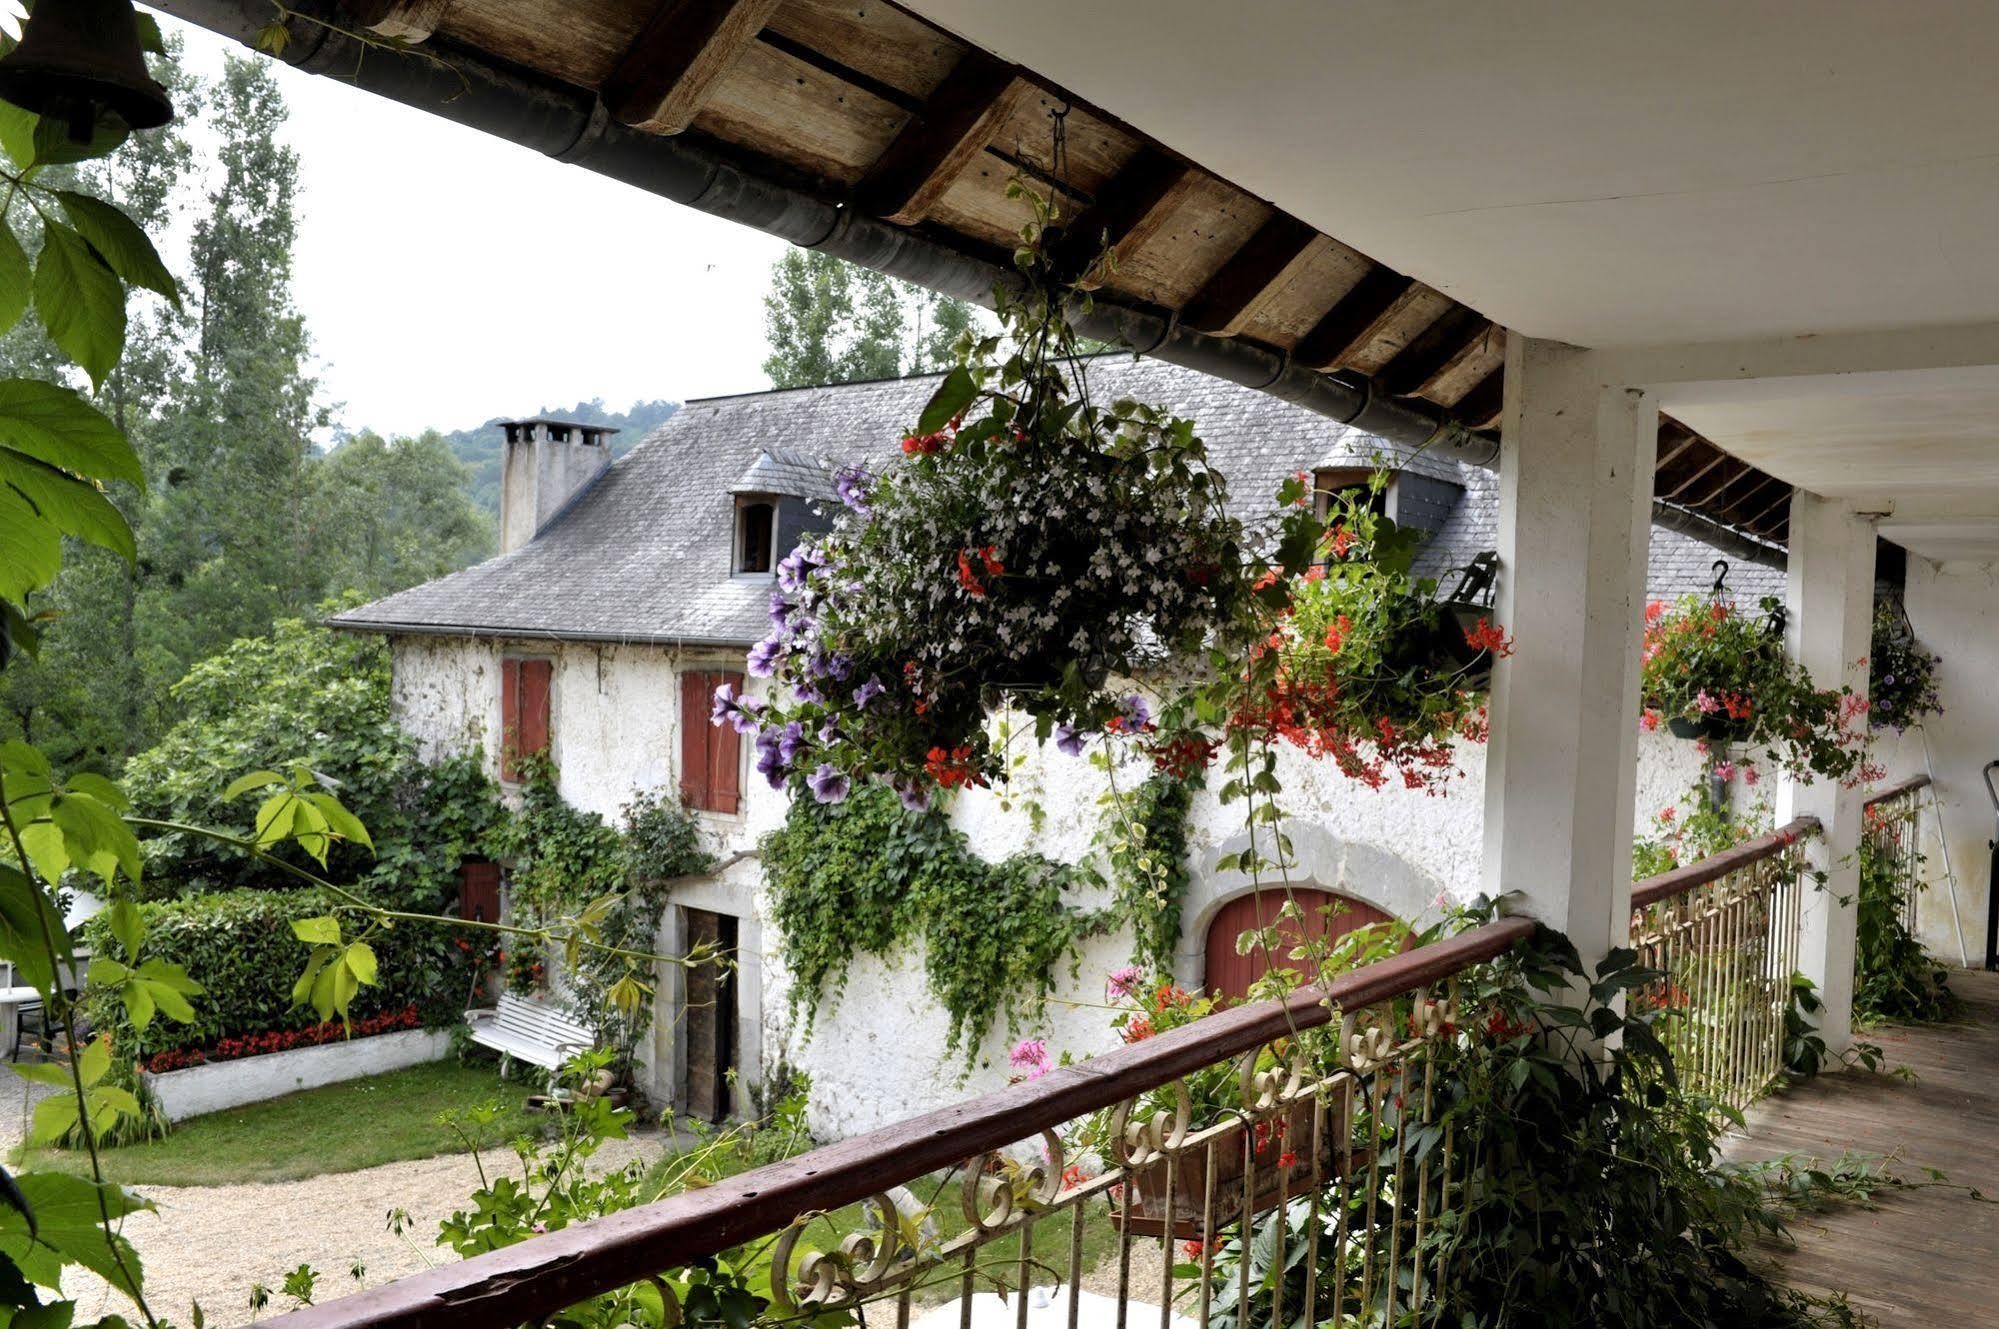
[(861, 103)]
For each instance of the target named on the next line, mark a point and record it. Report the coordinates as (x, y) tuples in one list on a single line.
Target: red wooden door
[(1230, 974)]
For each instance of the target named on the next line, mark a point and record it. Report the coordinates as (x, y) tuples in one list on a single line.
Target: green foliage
[(828, 321), (564, 863), (242, 948), (1893, 978), (1144, 844), (307, 694), (390, 513), (1694, 828), (1901, 672), (865, 876)]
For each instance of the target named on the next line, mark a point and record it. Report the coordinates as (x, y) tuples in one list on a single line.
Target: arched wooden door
[(1229, 975)]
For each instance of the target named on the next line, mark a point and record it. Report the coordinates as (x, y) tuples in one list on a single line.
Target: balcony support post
[(1829, 603), (1575, 485)]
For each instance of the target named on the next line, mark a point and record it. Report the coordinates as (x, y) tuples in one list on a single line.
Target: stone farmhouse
[(625, 593)]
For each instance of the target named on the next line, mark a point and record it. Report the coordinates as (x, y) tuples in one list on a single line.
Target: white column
[(1829, 600), (1575, 485)]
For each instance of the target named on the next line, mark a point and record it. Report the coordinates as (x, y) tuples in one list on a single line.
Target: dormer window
[(1326, 484), (756, 536)]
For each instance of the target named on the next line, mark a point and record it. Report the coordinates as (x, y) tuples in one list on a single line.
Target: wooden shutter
[(725, 753), (479, 891), (536, 676), (695, 691), (524, 727), (510, 717)]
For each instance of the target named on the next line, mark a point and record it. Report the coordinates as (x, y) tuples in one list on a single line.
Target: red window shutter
[(725, 754), (536, 676), (479, 892), (695, 691), (510, 718)]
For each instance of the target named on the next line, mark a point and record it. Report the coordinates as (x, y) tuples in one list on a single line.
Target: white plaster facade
[(876, 1054)]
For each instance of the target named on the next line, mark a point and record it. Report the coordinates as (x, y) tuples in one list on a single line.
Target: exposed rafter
[(680, 53), (1240, 288), (1127, 212), (1454, 332), (1351, 324), (409, 21), (942, 140)]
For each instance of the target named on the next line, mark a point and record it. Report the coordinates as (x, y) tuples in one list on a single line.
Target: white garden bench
[(531, 1030)]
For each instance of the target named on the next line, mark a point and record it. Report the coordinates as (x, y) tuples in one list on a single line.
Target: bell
[(77, 58)]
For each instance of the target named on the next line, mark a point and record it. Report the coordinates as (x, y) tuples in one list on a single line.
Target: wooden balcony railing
[(1105, 1157), (1724, 933), (1892, 829)]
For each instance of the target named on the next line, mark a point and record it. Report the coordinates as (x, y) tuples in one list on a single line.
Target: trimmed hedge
[(239, 946)]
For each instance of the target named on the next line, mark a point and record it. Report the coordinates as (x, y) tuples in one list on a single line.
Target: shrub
[(304, 692), (239, 946)]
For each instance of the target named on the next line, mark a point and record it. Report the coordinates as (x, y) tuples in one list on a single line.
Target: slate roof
[(643, 555)]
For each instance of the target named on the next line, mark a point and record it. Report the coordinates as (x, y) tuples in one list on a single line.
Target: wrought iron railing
[(1724, 934), (1131, 1173), (1892, 828)]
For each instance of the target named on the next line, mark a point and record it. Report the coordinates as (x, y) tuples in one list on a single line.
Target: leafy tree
[(389, 513), (829, 321), (306, 693)]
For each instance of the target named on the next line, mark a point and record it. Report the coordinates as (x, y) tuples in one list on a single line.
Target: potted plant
[(1901, 674), (1715, 675), (1030, 545), (1363, 663)]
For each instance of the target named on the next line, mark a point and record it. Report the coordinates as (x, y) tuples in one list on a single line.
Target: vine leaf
[(17, 134), (68, 1230), (119, 242), (81, 301), (56, 425), (75, 507), (953, 395), (13, 278)]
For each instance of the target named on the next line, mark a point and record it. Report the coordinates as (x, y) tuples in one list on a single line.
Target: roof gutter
[(477, 632), (468, 86)]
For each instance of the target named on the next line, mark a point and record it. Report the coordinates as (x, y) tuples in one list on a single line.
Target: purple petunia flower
[(790, 742), (796, 566), (829, 783), (744, 721), (851, 485), (914, 797), (1136, 714), (804, 691), (724, 709), (1068, 740), (764, 657), (841, 667), (829, 733), (781, 609), (770, 763), (865, 694)]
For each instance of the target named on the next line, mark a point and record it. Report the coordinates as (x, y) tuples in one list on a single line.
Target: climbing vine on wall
[(865, 876), (1143, 841), (561, 861)]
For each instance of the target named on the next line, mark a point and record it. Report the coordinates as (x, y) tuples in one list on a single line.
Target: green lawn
[(382, 1119)]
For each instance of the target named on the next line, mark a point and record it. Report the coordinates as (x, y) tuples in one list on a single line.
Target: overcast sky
[(447, 277)]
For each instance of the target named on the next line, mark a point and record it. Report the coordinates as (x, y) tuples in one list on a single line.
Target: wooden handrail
[(1893, 791), (1716, 866), (524, 1283)]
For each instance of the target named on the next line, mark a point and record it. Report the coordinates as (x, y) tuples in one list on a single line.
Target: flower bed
[(284, 1040), (205, 1087)]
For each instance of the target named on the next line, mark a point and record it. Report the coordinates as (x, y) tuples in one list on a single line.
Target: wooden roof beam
[(1782, 504), (674, 63), (1480, 408), (1456, 332), (1231, 299), (1673, 495), (942, 140), (1675, 441), (1127, 212), (1350, 324), (406, 21)]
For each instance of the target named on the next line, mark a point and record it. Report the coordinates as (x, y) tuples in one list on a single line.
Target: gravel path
[(214, 1243)]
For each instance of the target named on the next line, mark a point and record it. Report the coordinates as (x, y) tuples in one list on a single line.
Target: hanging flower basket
[(1030, 544), (1717, 676), (1902, 678), (1371, 669)]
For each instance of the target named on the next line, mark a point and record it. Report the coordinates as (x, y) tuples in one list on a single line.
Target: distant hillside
[(479, 448)]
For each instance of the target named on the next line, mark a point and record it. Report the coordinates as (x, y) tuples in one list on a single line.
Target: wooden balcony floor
[(1927, 1257)]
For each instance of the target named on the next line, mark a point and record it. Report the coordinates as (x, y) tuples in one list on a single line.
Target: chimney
[(548, 463)]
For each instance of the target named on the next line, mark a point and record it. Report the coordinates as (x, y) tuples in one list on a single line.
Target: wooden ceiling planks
[(909, 124)]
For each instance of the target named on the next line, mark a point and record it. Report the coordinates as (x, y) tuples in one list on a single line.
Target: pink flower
[(1725, 769), (1649, 721), (1751, 776), (1123, 982), (1669, 816), (1030, 1055), (1707, 705)]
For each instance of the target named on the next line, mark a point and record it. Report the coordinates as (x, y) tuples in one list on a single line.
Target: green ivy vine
[(865, 876), (563, 862)]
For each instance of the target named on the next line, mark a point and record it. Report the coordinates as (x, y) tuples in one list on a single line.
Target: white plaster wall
[(1954, 608), (876, 1054)]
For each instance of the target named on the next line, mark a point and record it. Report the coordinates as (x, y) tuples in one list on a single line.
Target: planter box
[(226, 1084)]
